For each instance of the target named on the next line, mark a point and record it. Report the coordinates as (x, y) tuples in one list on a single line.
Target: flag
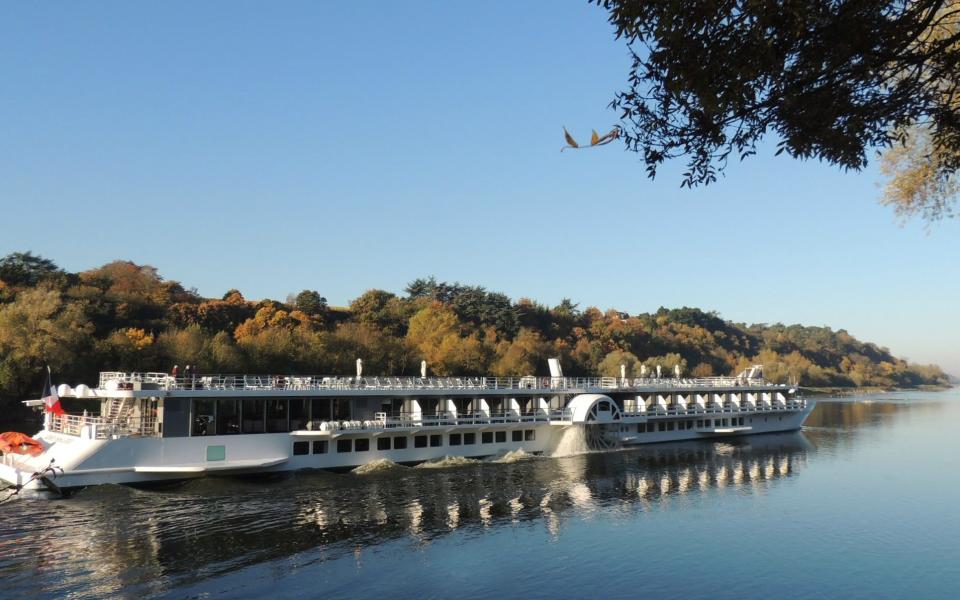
[(51, 402)]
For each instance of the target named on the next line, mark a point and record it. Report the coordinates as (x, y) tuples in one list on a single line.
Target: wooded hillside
[(124, 316)]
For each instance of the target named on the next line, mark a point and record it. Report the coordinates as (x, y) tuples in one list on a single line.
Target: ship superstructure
[(142, 428)]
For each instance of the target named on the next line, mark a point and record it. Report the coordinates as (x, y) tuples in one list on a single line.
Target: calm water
[(865, 502)]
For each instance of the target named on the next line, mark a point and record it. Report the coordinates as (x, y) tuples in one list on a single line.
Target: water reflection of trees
[(138, 540)]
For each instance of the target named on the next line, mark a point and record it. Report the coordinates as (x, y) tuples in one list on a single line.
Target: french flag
[(51, 402)]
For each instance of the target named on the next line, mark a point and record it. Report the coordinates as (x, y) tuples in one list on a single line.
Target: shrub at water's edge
[(124, 316)]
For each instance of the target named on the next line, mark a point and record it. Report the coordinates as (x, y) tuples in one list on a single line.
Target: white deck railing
[(98, 428), (117, 380)]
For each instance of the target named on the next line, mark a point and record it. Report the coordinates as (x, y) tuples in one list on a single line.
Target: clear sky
[(340, 146)]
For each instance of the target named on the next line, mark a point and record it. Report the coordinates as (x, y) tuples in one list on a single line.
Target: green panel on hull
[(216, 453)]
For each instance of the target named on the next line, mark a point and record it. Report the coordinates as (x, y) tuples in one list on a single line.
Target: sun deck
[(334, 385)]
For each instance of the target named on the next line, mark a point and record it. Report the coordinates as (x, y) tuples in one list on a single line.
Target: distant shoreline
[(845, 392)]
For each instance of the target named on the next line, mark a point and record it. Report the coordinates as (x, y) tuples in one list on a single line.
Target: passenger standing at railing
[(175, 371)]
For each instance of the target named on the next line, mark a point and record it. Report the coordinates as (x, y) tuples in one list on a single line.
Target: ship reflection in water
[(113, 538), (371, 530)]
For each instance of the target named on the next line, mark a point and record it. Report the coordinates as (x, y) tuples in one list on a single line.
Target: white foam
[(448, 461), (378, 466), (573, 441)]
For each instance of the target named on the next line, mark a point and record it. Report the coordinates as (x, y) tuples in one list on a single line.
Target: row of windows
[(224, 416), (689, 424), (419, 441)]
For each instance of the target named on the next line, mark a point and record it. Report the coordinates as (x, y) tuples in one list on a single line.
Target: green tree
[(610, 365), (830, 79), (25, 269), (311, 303), (38, 329)]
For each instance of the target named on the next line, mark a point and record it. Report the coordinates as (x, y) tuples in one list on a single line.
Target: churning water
[(861, 504)]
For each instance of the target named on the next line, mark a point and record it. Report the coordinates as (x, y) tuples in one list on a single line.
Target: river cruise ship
[(144, 428)]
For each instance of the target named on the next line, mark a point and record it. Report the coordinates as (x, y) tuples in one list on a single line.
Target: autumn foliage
[(124, 316)]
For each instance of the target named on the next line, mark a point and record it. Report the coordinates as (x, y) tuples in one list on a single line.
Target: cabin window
[(320, 409), (516, 436), (661, 426), (361, 445), (341, 409), (277, 415), (641, 427), (469, 439), (344, 445), (486, 437), (253, 411), (399, 443), (501, 436), (298, 413), (529, 435), (436, 440), (301, 448), (420, 441), (204, 422), (228, 416), (320, 447), (383, 443), (455, 439), (670, 426)]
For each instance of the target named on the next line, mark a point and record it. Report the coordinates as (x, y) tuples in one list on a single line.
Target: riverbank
[(847, 392)]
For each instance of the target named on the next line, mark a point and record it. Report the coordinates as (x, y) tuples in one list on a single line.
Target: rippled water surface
[(865, 502)]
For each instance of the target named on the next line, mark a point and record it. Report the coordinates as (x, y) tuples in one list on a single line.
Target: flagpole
[(47, 415)]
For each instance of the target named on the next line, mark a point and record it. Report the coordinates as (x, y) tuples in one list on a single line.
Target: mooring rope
[(50, 469)]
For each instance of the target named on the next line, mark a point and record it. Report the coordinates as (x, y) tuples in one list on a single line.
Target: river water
[(863, 503)]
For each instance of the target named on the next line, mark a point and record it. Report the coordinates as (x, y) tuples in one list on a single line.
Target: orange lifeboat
[(14, 442)]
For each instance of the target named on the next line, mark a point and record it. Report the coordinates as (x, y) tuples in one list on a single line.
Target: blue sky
[(349, 145)]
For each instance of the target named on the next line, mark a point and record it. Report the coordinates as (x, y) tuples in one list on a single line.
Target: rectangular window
[(301, 448), (469, 439), (341, 409), (253, 409), (661, 426), (344, 445), (320, 409), (203, 417), (420, 441), (277, 415), (383, 443), (486, 437), (399, 443), (298, 414), (516, 435), (455, 439), (529, 435), (670, 426), (228, 416), (320, 447), (641, 427), (361, 445), (436, 440), (501, 436)]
